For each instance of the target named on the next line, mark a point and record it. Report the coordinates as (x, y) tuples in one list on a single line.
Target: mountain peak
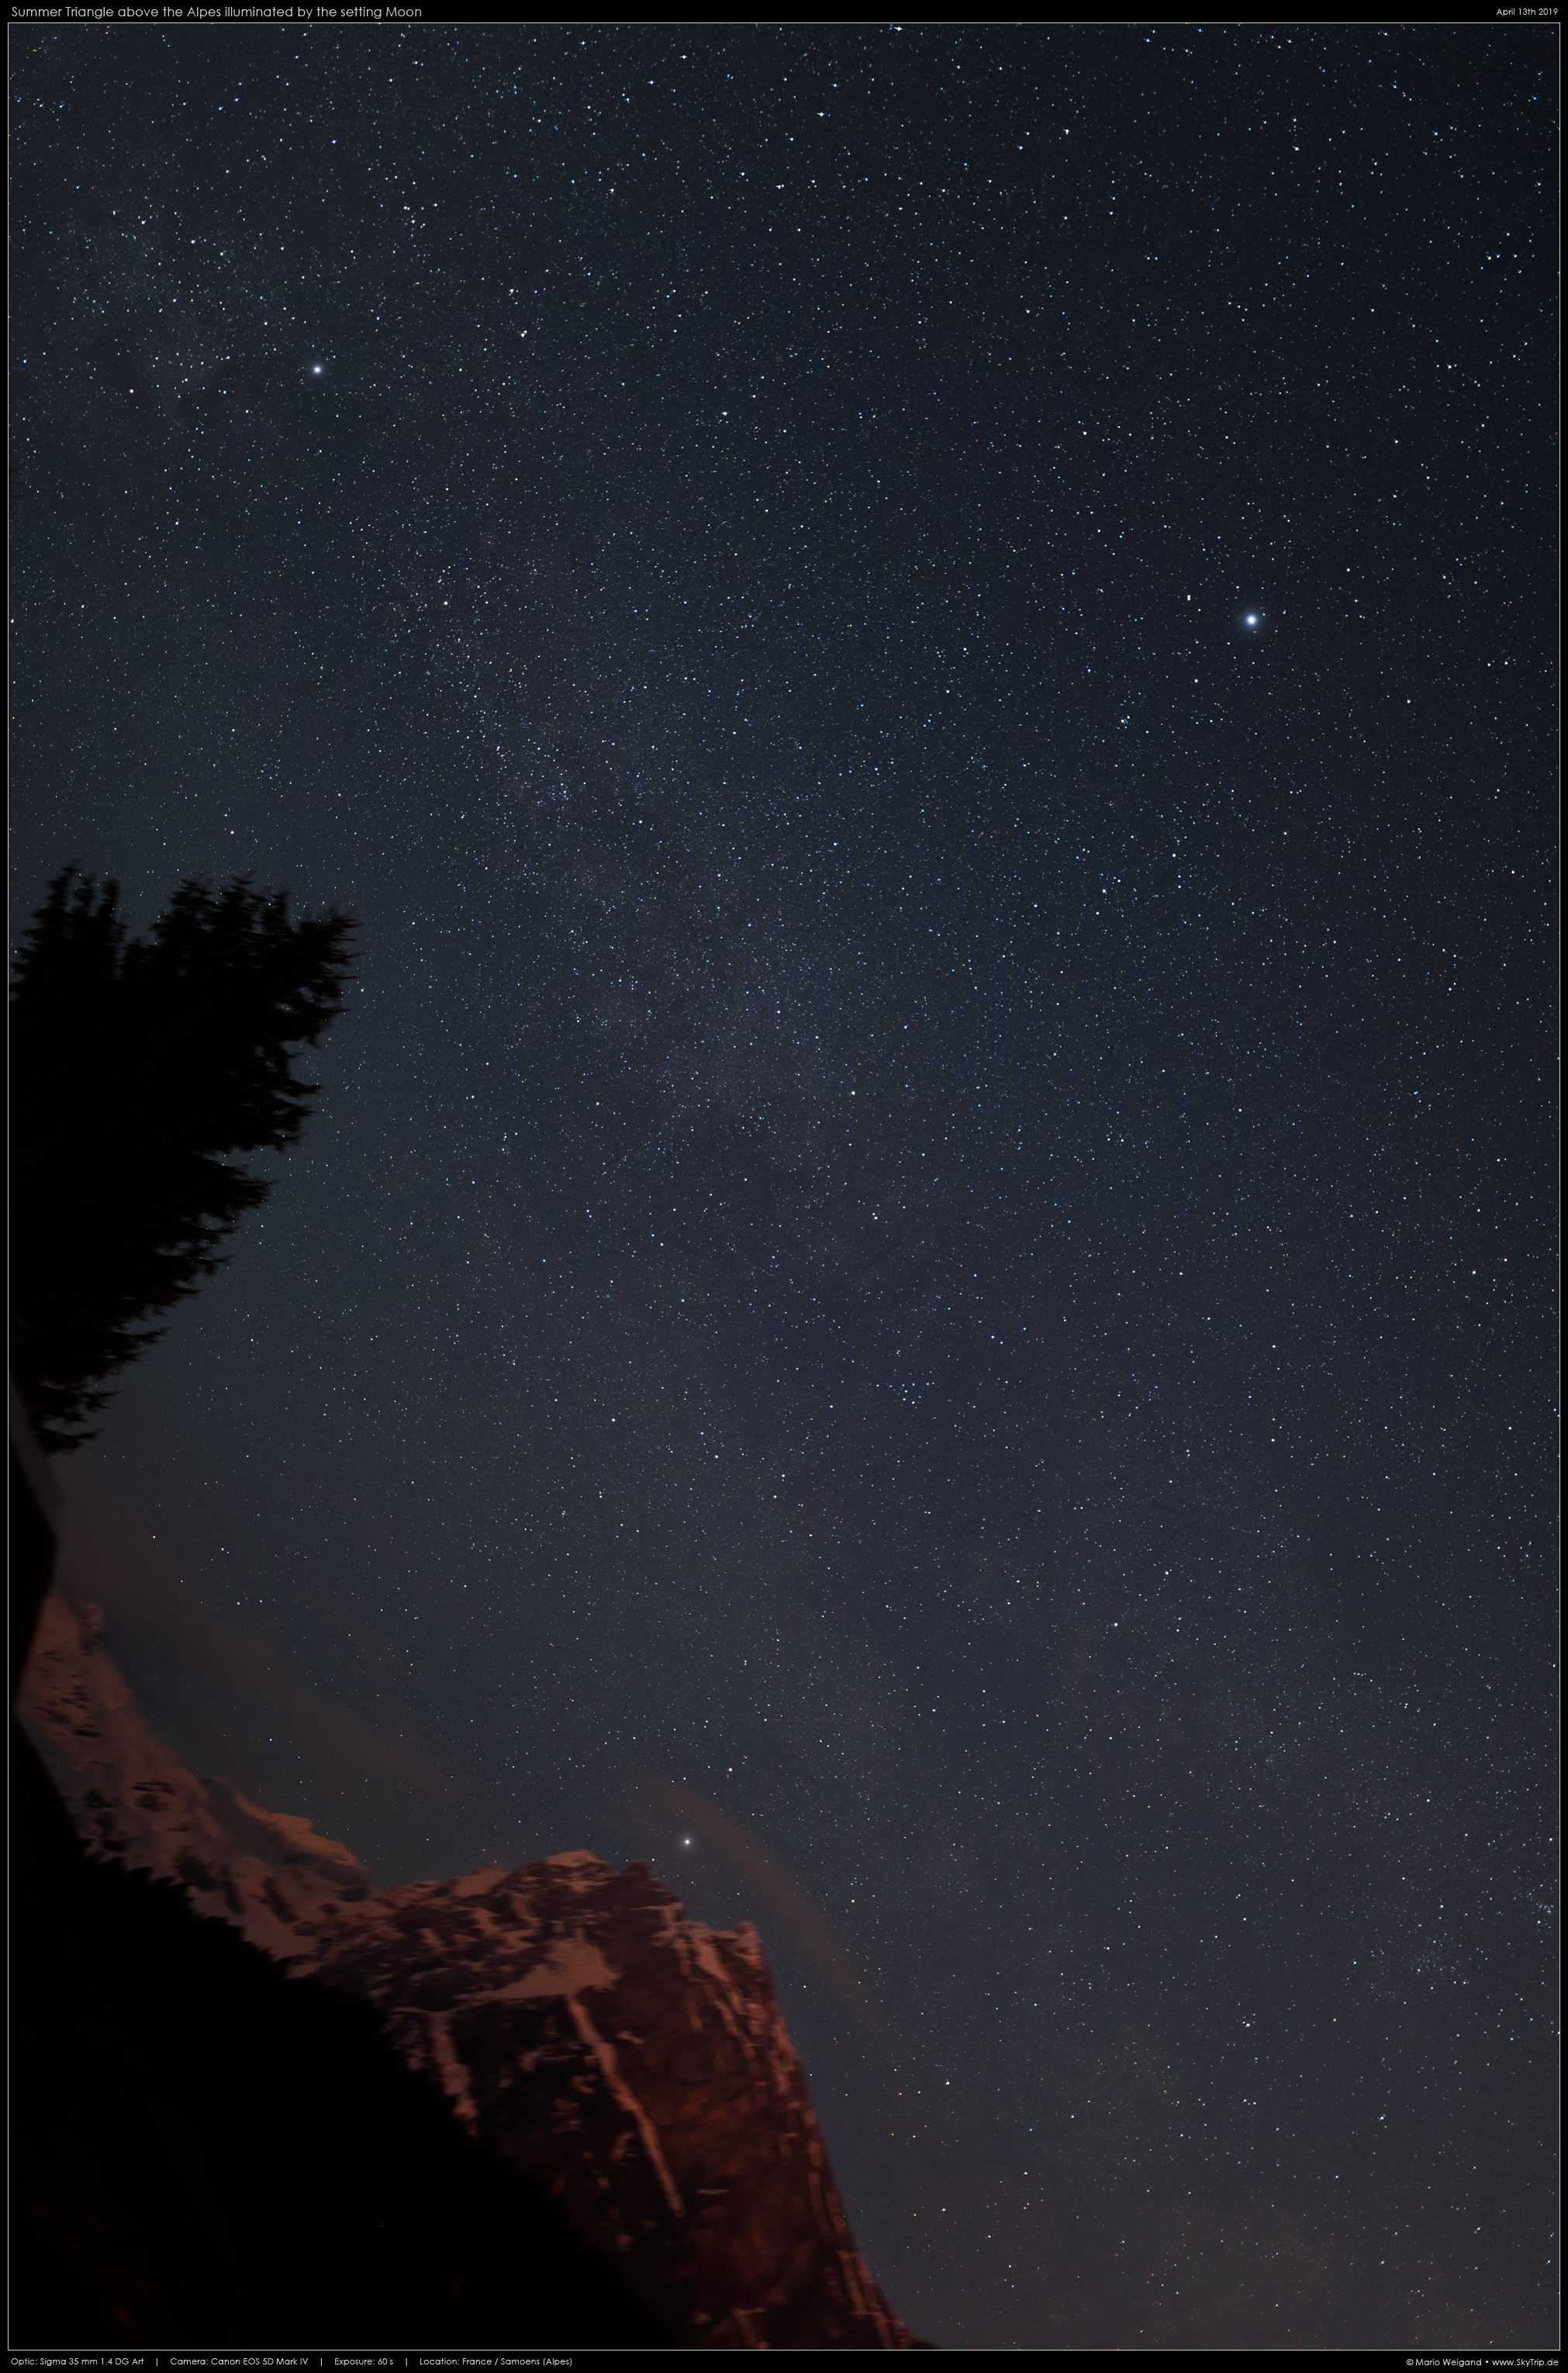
[(634, 2060)]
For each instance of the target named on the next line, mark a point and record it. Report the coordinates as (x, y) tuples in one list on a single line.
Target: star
[(732, 966)]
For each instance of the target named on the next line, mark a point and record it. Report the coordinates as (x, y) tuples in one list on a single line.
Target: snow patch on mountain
[(634, 2060)]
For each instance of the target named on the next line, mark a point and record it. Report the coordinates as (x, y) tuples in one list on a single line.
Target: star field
[(925, 654)]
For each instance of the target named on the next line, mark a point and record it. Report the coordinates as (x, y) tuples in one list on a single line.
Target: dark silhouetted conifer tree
[(138, 1067)]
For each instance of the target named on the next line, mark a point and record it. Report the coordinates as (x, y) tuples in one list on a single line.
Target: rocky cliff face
[(635, 2061)]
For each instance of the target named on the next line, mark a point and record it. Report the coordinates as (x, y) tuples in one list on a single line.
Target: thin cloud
[(768, 1884), (224, 1689)]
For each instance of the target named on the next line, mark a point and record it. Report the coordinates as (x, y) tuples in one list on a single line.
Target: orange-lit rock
[(634, 2060)]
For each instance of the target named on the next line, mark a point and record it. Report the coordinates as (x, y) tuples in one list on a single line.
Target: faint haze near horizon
[(932, 1219)]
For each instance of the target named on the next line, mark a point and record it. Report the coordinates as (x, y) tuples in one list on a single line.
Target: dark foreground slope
[(205, 2152)]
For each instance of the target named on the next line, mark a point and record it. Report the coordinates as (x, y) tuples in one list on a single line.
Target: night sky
[(924, 1271)]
